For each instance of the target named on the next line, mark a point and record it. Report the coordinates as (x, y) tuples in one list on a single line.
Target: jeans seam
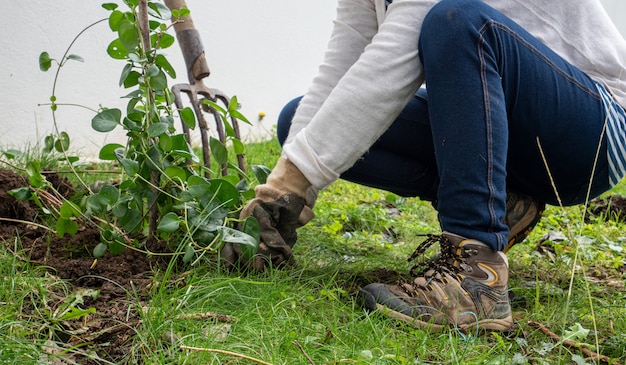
[(494, 24), (489, 128)]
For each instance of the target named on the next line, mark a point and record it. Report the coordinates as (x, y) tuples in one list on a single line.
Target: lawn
[(61, 306)]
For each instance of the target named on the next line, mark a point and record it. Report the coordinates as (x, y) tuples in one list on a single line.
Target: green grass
[(357, 230)]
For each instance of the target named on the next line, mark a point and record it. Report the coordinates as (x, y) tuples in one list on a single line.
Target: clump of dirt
[(110, 329), (609, 208), (12, 208)]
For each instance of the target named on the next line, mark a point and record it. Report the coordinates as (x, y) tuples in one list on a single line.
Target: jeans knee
[(449, 16), (283, 124)]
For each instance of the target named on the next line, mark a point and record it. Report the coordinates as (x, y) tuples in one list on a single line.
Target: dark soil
[(111, 328), (610, 208)]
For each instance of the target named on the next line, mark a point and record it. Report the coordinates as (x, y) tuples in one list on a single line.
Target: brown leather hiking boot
[(465, 288), (523, 212)]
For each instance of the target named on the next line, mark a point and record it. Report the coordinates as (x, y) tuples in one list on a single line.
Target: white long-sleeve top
[(371, 70)]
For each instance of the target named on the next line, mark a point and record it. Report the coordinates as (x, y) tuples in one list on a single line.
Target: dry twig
[(224, 352), (586, 351), (295, 342), (224, 318)]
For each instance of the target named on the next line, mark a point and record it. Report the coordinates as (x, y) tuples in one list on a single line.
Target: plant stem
[(28, 223)]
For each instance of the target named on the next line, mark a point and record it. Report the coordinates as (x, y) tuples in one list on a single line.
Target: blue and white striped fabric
[(616, 136)]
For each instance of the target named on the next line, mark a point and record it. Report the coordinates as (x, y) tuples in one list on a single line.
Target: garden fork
[(197, 70)]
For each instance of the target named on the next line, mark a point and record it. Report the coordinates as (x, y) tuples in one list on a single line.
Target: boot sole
[(489, 325)]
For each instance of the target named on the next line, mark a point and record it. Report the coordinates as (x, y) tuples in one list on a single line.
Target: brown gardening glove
[(280, 207)]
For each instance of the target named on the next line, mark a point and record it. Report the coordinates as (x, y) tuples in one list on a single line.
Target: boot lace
[(448, 261)]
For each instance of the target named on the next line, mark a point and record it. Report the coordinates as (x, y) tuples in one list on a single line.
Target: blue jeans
[(502, 111)]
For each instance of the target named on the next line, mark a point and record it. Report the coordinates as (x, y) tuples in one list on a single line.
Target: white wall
[(265, 52)]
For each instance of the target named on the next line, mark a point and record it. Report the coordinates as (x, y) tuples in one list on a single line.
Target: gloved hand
[(280, 207)]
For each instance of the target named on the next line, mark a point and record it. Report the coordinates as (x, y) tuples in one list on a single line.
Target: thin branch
[(586, 351), (224, 352), (209, 315), (295, 342)]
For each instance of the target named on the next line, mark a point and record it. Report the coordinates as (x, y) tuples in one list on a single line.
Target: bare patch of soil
[(610, 208), (111, 328)]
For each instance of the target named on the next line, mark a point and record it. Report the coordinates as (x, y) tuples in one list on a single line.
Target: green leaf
[(189, 252), (181, 148), (116, 247), (169, 223), (159, 10), (100, 250), (230, 131), (156, 129), (77, 312), (156, 160), (198, 186), (165, 143), (48, 143), (12, 153), (97, 204), (70, 159), (109, 6), (127, 184), (218, 150), (236, 114), (119, 210), (133, 94), (215, 106), (108, 236), (250, 245), (188, 117), (252, 227), (132, 79), (233, 104), (576, 333), (65, 225), (132, 220), (159, 81), (242, 186), (62, 144), (128, 33), (75, 58), (45, 62), (225, 192), (115, 19), (109, 194), (238, 146), (106, 120), (125, 72), (176, 173), (261, 172), (107, 152), (117, 50), (33, 169), (166, 40), (130, 166), (167, 119), (152, 70), (165, 65), (21, 194), (69, 210)]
